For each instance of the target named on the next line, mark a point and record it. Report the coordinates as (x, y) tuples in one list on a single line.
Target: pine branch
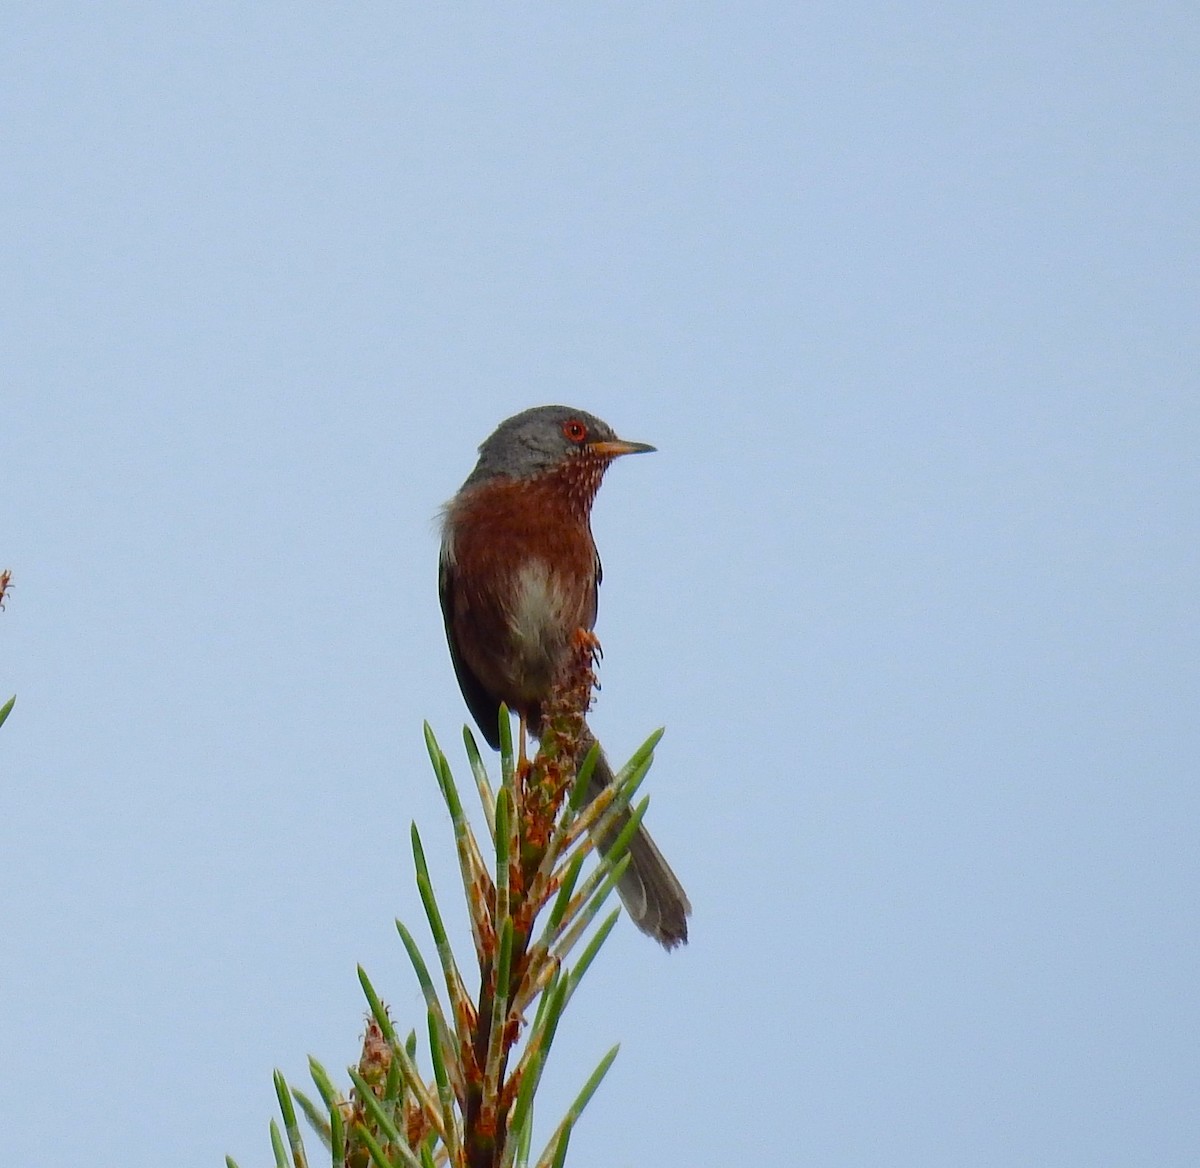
[(531, 911)]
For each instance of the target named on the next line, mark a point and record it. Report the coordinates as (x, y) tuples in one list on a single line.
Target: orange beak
[(618, 447)]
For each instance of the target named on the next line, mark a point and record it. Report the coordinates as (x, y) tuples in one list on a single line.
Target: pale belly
[(543, 616)]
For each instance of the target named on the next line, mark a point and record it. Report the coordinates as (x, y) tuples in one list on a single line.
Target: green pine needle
[(337, 1141), (642, 755), (380, 1115), (425, 888), (590, 904), (507, 760), (560, 1152), (522, 1107), (284, 1095), (491, 1071), (393, 1086), (503, 839), (565, 888), (418, 963), (277, 1147), (542, 1038), (621, 844), (556, 1149), (330, 1095), (455, 987), (441, 768), (482, 782), (437, 1044), (318, 1120), (583, 778), (590, 950)]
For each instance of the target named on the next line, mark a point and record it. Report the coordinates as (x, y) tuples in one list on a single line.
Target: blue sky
[(905, 295)]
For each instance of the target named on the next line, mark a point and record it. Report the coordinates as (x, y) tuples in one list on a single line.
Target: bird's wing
[(485, 709), (596, 585)]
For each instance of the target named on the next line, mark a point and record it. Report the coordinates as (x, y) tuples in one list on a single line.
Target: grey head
[(540, 439)]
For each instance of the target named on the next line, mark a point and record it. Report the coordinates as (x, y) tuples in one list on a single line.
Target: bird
[(518, 577)]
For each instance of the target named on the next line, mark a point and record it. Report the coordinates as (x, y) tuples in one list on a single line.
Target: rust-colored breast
[(524, 570)]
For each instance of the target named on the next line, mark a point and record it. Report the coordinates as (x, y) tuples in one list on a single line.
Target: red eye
[(574, 430)]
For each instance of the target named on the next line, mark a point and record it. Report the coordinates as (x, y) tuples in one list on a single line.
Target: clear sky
[(906, 296)]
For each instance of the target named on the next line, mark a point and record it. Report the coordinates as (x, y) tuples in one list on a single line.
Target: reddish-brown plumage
[(497, 533)]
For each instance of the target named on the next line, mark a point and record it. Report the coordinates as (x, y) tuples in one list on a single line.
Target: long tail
[(650, 891)]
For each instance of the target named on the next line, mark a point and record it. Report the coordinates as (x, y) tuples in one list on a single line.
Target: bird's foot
[(587, 642)]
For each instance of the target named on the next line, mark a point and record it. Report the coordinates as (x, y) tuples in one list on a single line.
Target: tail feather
[(650, 891)]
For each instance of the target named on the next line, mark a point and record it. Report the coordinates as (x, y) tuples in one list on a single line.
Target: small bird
[(518, 577)]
